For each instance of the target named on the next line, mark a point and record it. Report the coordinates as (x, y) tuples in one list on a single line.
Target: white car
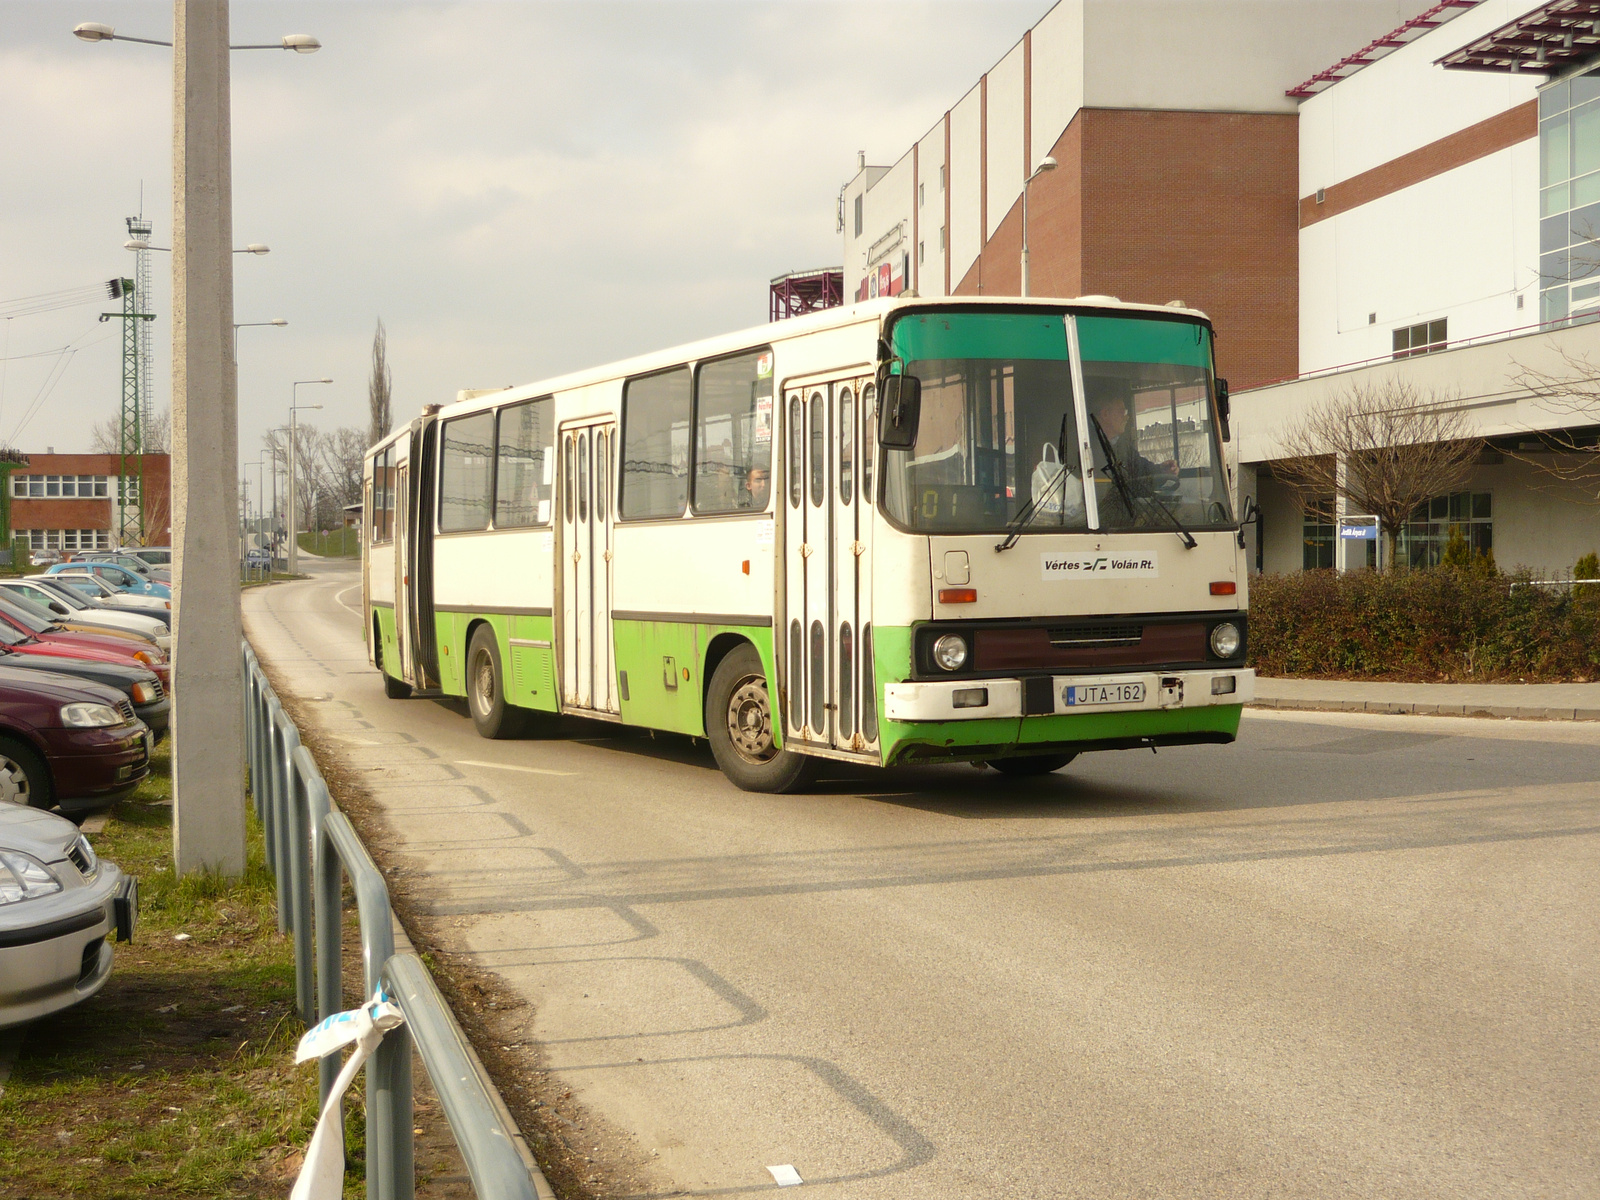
[(57, 903), (67, 604), (92, 589)]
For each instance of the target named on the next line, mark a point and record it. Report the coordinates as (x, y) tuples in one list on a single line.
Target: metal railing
[(1555, 583), (312, 848)]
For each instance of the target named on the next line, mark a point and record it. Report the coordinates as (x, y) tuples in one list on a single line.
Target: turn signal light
[(958, 595), (1223, 587)]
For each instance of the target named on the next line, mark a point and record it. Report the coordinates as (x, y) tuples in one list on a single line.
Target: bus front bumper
[(977, 699)]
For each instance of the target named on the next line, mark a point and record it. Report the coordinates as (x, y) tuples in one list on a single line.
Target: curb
[(1406, 707)]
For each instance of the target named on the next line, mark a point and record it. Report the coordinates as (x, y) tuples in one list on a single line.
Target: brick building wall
[(1155, 206), (48, 510)]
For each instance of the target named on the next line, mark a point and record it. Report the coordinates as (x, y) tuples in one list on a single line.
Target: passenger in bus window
[(754, 495)]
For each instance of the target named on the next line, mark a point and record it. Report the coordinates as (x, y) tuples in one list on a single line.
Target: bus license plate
[(1081, 694)]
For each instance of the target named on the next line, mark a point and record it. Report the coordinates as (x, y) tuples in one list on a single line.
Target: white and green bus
[(906, 530)]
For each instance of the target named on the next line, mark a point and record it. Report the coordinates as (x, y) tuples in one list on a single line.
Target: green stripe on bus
[(666, 662)]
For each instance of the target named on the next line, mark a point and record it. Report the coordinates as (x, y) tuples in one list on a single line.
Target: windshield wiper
[(1126, 493), (1017, 523)]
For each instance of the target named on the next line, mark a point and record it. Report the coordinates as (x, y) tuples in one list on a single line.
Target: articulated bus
[(906, 530)]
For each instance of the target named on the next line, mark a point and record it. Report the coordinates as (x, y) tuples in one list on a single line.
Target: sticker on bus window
[(544, 512), (1142, 565), (764, 534), (764, 366), (549, 470)]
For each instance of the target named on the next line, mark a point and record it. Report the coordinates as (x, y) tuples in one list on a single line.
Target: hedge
[(1445, 624)]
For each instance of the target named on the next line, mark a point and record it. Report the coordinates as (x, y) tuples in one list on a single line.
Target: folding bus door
[(402, 569), (588, 468), (823, 548)]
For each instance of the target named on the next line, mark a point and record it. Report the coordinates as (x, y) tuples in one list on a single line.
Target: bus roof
[(780, 331)]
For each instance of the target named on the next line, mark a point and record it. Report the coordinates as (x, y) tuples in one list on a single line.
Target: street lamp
[(208, 825), (294, 449), (144, 244), (238, 325), (1045, 164)]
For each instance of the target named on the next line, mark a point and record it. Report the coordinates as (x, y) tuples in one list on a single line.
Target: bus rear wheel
[(739, 728), (1031, 764), (493, 716)]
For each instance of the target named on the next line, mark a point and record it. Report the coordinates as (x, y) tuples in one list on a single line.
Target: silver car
[(57, 903)]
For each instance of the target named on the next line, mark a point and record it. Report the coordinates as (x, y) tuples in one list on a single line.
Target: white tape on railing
[(322, 1175)]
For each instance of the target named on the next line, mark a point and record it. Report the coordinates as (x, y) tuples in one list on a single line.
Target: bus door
[(824, 567), (588, 470), (402, 569)]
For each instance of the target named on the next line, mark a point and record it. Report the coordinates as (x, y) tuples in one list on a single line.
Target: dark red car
[(93, 645), (67, 742)]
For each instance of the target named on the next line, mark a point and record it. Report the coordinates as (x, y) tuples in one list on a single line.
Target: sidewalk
[(1529, 701)]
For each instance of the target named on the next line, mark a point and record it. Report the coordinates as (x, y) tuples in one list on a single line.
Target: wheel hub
[(13, 783), (483, 683), (750, 720)]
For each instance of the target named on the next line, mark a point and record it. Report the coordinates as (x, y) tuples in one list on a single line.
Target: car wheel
[(395, 689), (23, 778), (1031, 764), (739, 728), (493, 716)]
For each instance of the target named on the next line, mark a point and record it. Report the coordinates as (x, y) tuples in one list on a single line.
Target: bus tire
[(739, 728), (1031, 764), (493, 716), (395, 689)]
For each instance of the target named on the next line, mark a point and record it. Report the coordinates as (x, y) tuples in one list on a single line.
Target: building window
[(65, 539), (1318, 540), (858, 215), (79, 487), (941, 177), (1569, 198), (1421, 339), (922, 252), (941, 239), (922, 197), (1423, 538)]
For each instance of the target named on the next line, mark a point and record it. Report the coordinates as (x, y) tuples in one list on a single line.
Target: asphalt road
[(1347, 956)]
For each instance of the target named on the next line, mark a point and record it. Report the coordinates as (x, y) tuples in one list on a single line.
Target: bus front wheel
[(739, 728), (493, 716), (1031, 764)]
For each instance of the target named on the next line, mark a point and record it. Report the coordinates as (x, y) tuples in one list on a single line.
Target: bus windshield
[(998, 442)]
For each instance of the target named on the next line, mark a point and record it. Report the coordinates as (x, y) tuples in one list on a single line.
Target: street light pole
[(294, 451), (1045, 164)]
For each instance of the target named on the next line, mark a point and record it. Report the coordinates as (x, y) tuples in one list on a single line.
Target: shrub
[(1587, 567), (1448, 623)]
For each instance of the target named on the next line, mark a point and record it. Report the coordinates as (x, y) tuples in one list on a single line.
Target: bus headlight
[(1225, 640), (950, 652)]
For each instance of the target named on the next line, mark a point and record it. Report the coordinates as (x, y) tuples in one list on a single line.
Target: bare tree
[(1385, 448), (342, 453), (309, 464), (106, 437), (378, 388), (1573, 465)]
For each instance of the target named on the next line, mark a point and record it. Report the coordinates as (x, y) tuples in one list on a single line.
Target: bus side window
[(819, 450), (602, 474), (796, 454), (583, 477)]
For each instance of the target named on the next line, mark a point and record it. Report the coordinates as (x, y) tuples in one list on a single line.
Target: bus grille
[(1074, 637)]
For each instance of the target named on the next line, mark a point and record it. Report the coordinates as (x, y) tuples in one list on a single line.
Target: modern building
[(1356, 192), (69, 501)]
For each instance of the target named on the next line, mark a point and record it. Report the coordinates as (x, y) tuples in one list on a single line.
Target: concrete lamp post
[(294, 450), (1045, 164), (208, 819)]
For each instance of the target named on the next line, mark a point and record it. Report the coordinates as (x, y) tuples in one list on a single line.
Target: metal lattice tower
[(139, 229), (130, 433)]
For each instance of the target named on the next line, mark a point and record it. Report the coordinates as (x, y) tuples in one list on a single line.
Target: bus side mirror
[(899, 407), (1224, 409)]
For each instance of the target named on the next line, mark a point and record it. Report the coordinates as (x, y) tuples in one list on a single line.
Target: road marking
[(355, 587), (786, 1176), (473, 762)]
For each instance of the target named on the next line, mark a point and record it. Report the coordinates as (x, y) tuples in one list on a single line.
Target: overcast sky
[(517, 189)]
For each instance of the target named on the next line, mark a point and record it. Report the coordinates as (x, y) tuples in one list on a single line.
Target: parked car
[(138, 683), (65, 602), (99, 591), (156, 556), (137, 639), (116, 576), (123, 558), (43, 558), (47, 630), (58, 900), (68, 742)]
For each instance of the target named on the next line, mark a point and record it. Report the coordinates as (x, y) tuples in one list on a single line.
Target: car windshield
[(62, 595), (999, 440), (11, 636), (31, 608), (17, 610)]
